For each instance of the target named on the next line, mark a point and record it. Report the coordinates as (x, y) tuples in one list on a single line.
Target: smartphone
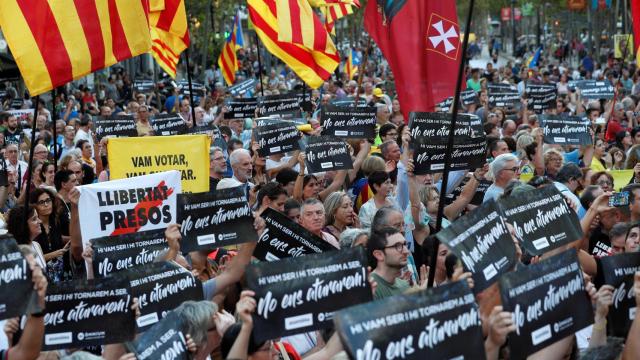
[(619, 199)]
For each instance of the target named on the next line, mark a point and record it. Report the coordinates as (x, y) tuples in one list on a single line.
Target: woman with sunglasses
[(51, 234)]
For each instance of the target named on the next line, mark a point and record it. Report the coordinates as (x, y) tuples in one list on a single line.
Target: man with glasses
[(143, 126), (388, 248), (568, 181), (13, 164), (217, 167), (505, 168)]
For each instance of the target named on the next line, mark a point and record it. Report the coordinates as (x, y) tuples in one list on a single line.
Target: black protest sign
[(117, 253), (478, 196), (541, 96), (325, 153), (279, 104), (164, 340), (214, 219), (199, 90), (469, 97), (594, 89), (277, 138), (143, 85), (504, 99), (548, 302), (349, 122), (438, 323), (18, 296), (467, 154), (83, 313), (298, 295), (161, 287), (348, 102), (284, 238), (502, 95), (242, 87), (240, 108), (116, 126), (618, 272), (541, 219), (429, 133), (445, 104), (482, 242), (565, 130), (168, 124)]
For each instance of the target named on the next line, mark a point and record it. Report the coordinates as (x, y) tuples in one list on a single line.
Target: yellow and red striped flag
[(169, 33), (351, 67), (332, 10), (228, 61), (312, 64), (55, 42), (294, 17)]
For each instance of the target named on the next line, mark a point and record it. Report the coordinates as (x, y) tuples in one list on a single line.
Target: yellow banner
[(137, 156)]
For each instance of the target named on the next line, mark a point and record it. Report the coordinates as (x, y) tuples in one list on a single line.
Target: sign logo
[(443, 37)]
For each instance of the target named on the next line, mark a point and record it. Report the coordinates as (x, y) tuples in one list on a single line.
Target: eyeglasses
[(555, 159), (398, 246), (44, 202), (514, 169), (604, 182)]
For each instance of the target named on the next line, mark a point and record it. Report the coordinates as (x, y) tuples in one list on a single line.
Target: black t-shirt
[(12, 137), (599, 243), (213, 183)]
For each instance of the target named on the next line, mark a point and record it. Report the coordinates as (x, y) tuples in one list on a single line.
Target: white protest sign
[(128, 205)]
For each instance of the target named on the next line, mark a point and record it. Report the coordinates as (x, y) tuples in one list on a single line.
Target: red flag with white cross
[(421, 41)]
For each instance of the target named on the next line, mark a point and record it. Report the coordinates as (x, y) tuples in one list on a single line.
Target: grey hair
[(349, 236), (309, 202), (380, 218), (499, 163), (213, 149), (331, 204), (384, 147), (234, 158), (198, 318)]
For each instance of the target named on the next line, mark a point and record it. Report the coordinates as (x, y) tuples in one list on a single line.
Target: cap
[(377, 92)]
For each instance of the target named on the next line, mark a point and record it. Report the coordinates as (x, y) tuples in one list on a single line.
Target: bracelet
[(38, 314), (475, 177), (300, 175)]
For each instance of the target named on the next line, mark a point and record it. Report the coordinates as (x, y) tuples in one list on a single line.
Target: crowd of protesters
[(380, 204)]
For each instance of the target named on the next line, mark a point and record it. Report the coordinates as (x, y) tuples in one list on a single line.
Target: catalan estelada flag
[(312, 64), (55, 42), (533, 60), (635, 16), (169, 33), (351, 66), (228, 61)]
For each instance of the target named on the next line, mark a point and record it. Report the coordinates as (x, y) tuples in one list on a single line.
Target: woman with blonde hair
[(339, 214)]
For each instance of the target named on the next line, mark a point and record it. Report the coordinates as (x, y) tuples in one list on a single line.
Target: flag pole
[(55, 140), (361, 70), (27, 185), (193, 109), (259, 65), (447, 156)]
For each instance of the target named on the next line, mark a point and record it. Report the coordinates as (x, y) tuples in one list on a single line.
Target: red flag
[(421, 41)]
